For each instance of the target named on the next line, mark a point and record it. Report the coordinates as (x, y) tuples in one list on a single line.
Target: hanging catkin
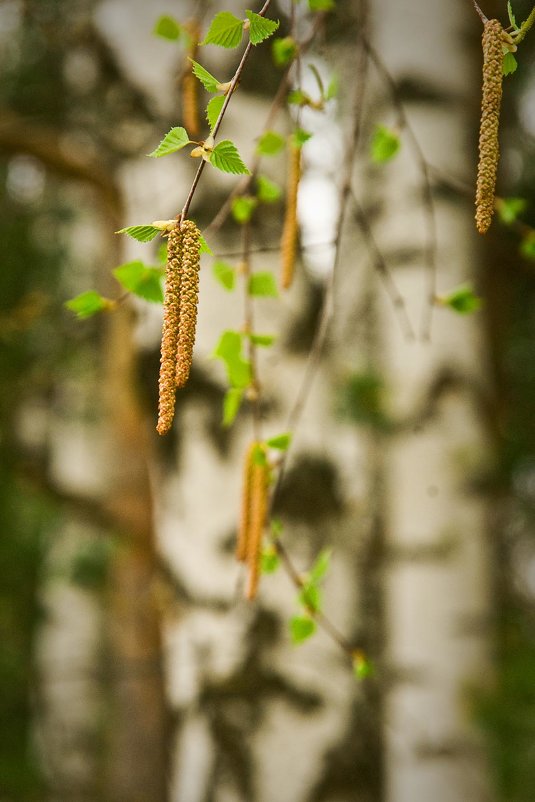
[(289, 231), (245, 516), (490, 118), (189, 293), (258, 513), (190, 84), (167, 381)]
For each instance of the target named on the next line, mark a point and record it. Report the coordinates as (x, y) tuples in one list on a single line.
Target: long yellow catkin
[(490, 119), (190, 84), (289, 231), (167, 380), (245, 516), (258, 513), (189, 294)]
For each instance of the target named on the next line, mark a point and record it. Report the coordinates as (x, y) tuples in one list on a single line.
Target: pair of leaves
[(226, 30), (303, 627), (224, 156)]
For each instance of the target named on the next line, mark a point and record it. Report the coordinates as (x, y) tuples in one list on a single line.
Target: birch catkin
[(258, 513), (189, 294), (245, 516), (190, 84), (490, 118), (289, 231), (167, 381)]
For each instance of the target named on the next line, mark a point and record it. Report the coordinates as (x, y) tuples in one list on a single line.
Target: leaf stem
[(525, 27)]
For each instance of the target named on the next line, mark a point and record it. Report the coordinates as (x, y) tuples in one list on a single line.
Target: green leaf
[(225, 30), (225, 274), (299, 137), (141, 233), (263, 284), (510, 208), (283, 50), (88, 303), (301, 628), (321, 566), (226, 158), (281, 442), (512, 19), (321, 5), (362, 667), (333, 88), (260, 28), (141, 280), (229, 350), (176, 139), (243, 207), (259, 455), (310, 597), (267, 191), (213, 109), (206, 78), (276, 527), (269, 561), (263, 340), (509, 64), (270, 143), (161, 254), (231, 405), (462, 300), (385, 144), (168, 28), (298, 98), (527, 247)]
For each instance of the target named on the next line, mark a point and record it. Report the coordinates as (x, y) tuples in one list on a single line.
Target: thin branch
[(525, 27), (484, 19)]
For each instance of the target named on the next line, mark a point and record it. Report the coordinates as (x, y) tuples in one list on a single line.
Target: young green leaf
[(509, 209), (263, 340), (509, 64), (229, 350), (207, 79), (225, 30), (225, 274), (321, 566), (281, 442), (168, 28), (298, 98), (243, 207), (141, 233), (299, 137), (310, 597), (512, 19), (462, 300), (332, 87), (263, 284), (259, 455), (266, 190), (385, 144), (270, 560), (226, 158), (176, 139), (213, 109), (321, 5), (527, 247), (283, 50), (301, 628), (204, 247), (231, 405), (270, 143), (146, 282), (88, 304), (161, 254), (362, 667), (260, 28)]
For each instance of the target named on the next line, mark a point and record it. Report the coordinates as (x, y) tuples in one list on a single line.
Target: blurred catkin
[(245, 516), (289, 231), (189, 294), (490, 119), (258, 513), (167, 381), (190, 84)]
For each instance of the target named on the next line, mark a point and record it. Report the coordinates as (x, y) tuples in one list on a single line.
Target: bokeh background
[(131, 669)]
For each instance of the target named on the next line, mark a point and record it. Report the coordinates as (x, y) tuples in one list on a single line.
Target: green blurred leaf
[(146, 282), (213, 109), (281, 442), (260, 28), (385, 144), (243, 207), (204, 247), (140, 233), (283, 49), (87, 304), (264, 340), (226, 158), (168, 28), (263, 284), (206, 78), (229, 350), (225, 30), (176, 139), (510, 208), (259, 455), (231, 405), (527, 246), (267, 191), (161, 254), (333, 88), (509, 64), (225, 274), (270, 560), (299, 137), (462, 300), (270, 143), (321, 5), (321, 566), (310, 597), (89, 568), (301, 628), (298, 98), (362, 667), (512, 19)]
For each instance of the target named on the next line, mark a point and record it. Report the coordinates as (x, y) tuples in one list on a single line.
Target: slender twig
[(248, 327), (525, 27), (484, 19)]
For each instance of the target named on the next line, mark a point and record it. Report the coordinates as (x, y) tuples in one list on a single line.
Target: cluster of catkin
[(256, 476), (290, 230), (493, 40), (179, 317)]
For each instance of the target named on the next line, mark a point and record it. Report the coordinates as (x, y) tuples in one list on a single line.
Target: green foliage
[(89, 567), (362, 667), (299, 137), (301, 628), (259, 455), (321, 5), (284, 50), (176, 139), (512, 19), (229, 350), (510, 208), (298, 98), (509, 64), (310, 597), (87, 304), (270, 560), (281, 442), (263, 340), (204, 247), (385, 144), (263, 285), (362, 400), (267, 191), (209, 82), (225, 30), (270, 143), (333, 88), (225, 274), (320, 566), (213, 109), (231, 405), (140, 233), (462, 300), (527, 246), (243, 207), (168, 28), (226, 158), (146, 282), (260, 28)]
